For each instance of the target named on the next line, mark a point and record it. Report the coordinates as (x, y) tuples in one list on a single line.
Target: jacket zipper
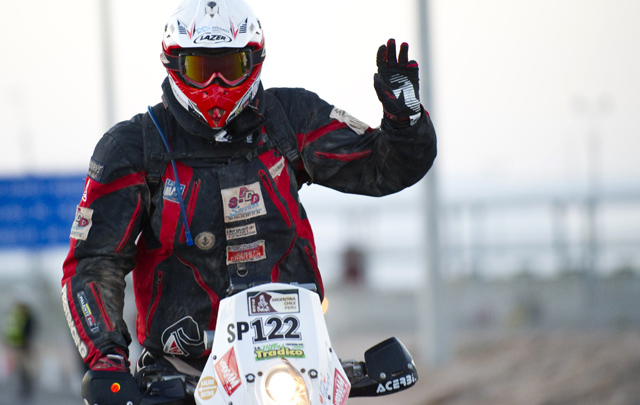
[(132, 221), (103, 311), (264, 178), (157, 290)]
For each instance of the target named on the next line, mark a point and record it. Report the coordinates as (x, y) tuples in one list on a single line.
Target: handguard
[(388, 368)]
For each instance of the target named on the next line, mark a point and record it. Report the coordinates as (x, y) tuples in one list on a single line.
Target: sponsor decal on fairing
[(341, 389), (227, 370), (82, 223), (281, 302), (207, 387), (243, 202), (275, 350)]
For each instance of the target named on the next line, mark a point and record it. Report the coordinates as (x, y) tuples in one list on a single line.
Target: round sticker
[(205, 240)]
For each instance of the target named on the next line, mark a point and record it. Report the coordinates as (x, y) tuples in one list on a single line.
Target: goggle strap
[(170, 62)]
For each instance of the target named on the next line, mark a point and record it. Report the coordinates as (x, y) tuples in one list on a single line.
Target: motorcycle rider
[(200, 194)]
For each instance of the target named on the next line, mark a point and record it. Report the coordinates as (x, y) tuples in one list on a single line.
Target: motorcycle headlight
[(284, 385)]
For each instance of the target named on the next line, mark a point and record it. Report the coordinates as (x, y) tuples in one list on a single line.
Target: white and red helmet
[(213, 52)]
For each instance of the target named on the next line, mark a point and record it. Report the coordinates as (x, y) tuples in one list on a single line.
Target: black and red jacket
[(243, 212)]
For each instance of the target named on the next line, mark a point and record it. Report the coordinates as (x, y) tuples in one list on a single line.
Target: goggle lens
[(201, 70)]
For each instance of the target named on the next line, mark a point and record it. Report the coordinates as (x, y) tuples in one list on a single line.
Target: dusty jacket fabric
[(243, 212)]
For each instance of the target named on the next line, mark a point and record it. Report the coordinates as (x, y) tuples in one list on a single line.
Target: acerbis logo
[(213, 38)]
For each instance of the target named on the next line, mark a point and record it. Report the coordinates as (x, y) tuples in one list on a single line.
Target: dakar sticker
[(243, 202), (276, 351), (352, 122), (276, 169), (281, 302), (207, 387), (227, 370), (82, 223), (250, 252), (170, 192), (86, 311), (241, 231)]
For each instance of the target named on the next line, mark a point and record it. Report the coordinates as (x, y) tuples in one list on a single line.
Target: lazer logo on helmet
[(211, 38)]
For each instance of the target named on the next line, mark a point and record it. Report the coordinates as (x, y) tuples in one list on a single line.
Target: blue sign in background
[(38, 211)]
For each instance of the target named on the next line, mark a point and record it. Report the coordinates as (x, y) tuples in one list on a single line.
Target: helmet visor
[(200, 69)]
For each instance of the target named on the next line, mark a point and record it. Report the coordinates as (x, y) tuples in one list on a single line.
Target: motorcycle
[(271, 347)]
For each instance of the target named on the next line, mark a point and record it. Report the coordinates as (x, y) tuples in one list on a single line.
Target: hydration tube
[(187, 232)]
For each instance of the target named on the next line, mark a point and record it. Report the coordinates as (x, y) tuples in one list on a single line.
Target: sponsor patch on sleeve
[(95, 170), (352, 122), (82, 223), (250, 252)]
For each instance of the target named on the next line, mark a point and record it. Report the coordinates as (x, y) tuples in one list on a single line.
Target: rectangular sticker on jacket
[(250, 252), (86, 311), (276, 169), (95, 170), (243, 202), (82, 223), (352, 122), (170, 192), (241, 231)]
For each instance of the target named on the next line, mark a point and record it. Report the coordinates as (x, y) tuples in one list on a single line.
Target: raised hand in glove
[(396, 84), (109, 382)]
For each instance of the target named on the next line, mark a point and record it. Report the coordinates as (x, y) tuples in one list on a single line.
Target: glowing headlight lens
[(284, 385), (281, 387)]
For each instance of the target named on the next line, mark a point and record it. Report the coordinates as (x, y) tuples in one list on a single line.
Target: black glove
[(396, 84), (109, 382)]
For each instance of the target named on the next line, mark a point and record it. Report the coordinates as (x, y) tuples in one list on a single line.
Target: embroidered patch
[(241, 231), (243, 202), (95, 170), (170, 192), (250, 252), (352, 122), (82, 223), (205, 240), (276, 169)]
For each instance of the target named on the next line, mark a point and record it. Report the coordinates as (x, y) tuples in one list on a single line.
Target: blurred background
[(511, 272)]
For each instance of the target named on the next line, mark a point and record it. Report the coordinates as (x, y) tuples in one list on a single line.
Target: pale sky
[(509, 78)]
